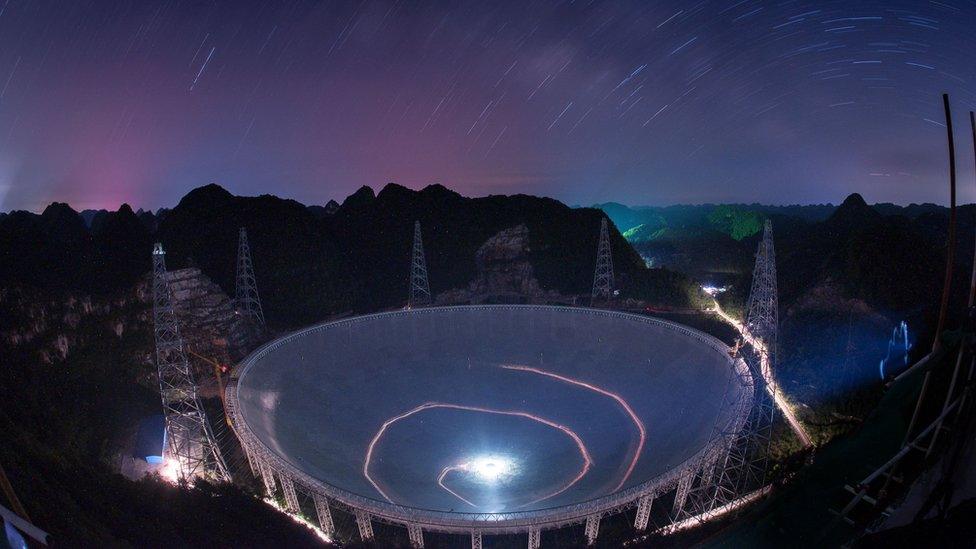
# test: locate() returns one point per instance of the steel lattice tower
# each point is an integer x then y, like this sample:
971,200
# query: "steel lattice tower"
742,467
247,288
419,286
724,477
762,321
762,309
603,277
189,438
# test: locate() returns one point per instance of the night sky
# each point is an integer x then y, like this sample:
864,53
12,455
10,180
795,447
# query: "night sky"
643,103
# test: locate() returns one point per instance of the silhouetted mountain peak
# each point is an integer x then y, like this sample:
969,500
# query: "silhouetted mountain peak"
853,212
364,195
58,210
121,225
392,191
396,193
207,195
324,211
62,221
440,191
854,200
437,188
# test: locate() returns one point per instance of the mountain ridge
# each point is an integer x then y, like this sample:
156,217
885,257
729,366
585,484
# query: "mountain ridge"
349,258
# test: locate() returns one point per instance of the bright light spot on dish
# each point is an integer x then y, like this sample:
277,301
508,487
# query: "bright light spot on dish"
714,290
490,469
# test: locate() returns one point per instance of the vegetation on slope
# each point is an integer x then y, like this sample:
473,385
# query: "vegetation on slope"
62,424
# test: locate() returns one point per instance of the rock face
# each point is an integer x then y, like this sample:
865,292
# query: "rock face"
503,265
209,322
505,273
52,328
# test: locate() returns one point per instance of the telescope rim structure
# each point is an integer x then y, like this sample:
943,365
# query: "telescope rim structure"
506,522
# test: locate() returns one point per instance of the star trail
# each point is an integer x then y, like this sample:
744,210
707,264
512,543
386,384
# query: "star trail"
104,102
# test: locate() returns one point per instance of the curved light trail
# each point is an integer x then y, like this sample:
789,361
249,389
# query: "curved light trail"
440,482
642,431
587,460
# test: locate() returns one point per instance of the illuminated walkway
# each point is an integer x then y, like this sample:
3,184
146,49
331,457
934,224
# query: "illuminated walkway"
767,374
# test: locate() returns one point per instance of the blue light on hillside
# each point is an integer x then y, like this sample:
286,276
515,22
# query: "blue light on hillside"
898,347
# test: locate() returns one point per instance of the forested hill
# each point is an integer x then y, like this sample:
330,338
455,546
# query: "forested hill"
891,257
311,261
739,220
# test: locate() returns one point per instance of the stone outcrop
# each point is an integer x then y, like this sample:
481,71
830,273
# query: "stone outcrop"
209,322
503,265
505,273
51,327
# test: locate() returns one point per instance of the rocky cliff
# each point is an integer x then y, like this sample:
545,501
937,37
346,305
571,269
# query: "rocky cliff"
504,273
210,324
51,330
503,265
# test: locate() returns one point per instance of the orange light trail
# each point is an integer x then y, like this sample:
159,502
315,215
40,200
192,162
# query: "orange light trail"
587,460
440,482
642,431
